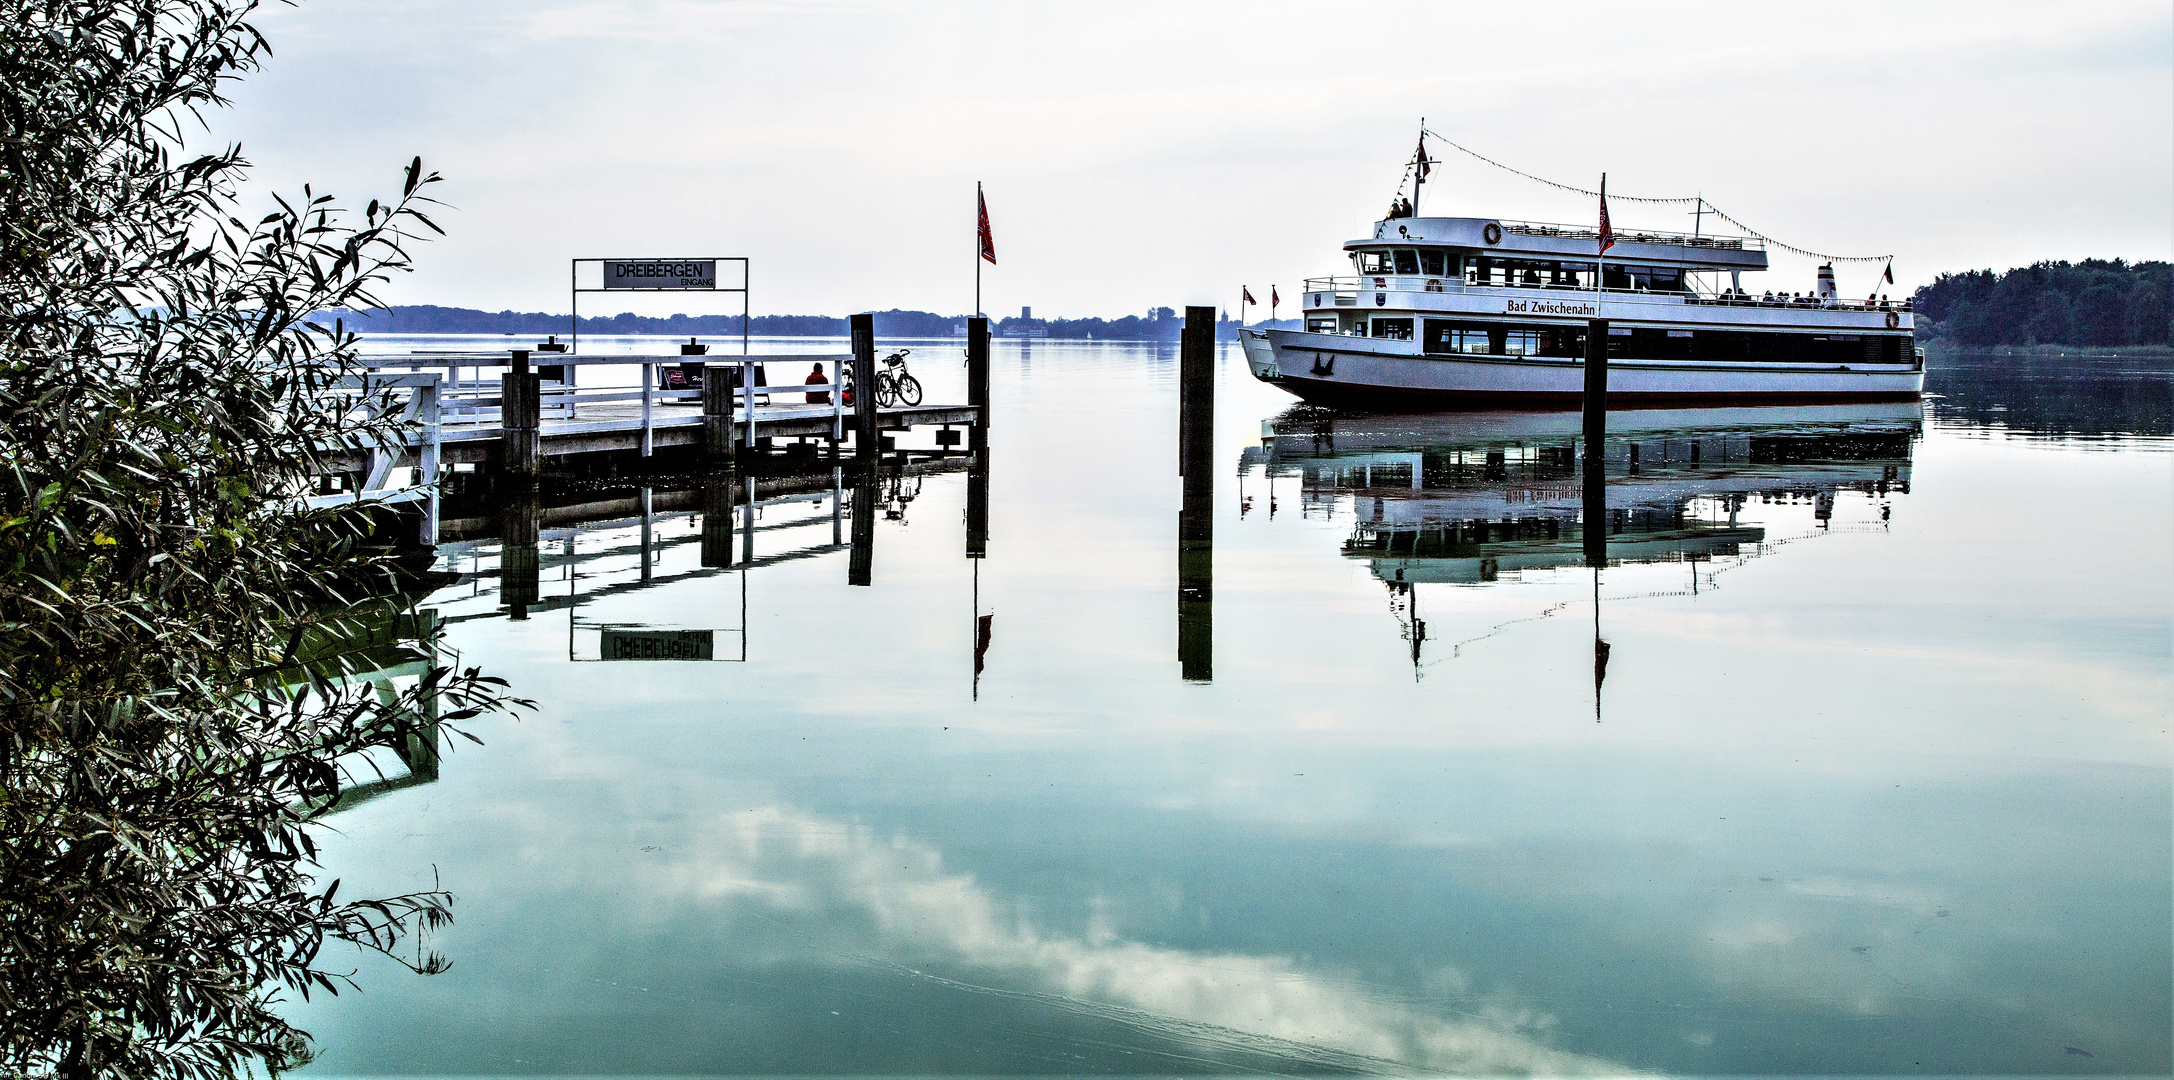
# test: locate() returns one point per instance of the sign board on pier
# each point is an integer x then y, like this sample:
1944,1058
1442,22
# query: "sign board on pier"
659,644
660,273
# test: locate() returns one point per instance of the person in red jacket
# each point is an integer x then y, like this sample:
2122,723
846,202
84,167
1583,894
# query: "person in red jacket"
815,378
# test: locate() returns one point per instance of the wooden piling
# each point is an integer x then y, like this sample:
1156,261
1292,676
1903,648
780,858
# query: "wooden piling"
977,469
521,418
717,445
864,387
977,369
1596,440
1196,515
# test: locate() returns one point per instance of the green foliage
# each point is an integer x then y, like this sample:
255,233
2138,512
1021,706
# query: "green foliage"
174,631
2094,303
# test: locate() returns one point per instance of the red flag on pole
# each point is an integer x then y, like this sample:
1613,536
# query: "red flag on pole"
1607,235
1273,299
988,242
1248,293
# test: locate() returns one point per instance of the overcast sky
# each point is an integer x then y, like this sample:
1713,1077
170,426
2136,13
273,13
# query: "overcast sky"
1140,154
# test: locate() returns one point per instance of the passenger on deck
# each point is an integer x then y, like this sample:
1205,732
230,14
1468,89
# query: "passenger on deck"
1768,298
815,378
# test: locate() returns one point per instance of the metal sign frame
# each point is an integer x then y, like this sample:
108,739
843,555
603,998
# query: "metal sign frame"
573,281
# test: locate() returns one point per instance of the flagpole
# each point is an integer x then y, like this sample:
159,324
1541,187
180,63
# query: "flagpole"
977,249
1600,255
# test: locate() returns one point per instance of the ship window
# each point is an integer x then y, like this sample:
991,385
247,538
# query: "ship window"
1393,329
1372,262
1433,263
1521,343
1407,260
1321,326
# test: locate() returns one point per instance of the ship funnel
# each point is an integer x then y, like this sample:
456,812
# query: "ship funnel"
1826,282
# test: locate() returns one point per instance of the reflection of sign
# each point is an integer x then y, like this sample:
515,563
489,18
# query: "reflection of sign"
659,644
1549,307
661,274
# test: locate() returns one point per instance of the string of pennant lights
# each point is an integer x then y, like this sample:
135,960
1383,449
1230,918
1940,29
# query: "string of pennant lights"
1699,200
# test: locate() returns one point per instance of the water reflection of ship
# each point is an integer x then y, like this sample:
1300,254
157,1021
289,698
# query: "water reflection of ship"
1471,499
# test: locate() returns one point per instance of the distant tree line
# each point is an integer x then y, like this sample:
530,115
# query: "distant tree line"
1158,324
2090,303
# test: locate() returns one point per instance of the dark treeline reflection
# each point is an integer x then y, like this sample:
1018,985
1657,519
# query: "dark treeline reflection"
2074,395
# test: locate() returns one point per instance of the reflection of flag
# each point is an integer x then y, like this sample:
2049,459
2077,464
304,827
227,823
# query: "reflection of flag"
1607,234
988,242
983,627
1248,294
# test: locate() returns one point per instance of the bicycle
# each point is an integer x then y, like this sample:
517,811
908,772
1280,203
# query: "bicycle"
894,384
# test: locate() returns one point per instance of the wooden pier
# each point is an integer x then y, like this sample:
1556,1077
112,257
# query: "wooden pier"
511,415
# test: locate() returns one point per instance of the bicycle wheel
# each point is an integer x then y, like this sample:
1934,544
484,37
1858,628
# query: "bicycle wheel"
909,389
886,391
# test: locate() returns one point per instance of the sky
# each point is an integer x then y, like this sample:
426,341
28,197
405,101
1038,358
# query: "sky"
1141,154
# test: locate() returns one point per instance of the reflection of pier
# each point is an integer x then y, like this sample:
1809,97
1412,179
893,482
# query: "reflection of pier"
585,557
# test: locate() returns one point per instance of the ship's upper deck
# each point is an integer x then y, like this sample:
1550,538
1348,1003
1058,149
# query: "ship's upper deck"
1497,238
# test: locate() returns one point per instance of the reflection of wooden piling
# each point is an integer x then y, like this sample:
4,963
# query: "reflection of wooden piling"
864,390
520,563
861,562
1596,439
421,751
717,521
521,418
977,470
1196,516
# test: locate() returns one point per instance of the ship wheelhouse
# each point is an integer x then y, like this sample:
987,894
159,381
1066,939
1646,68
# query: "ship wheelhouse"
1489,287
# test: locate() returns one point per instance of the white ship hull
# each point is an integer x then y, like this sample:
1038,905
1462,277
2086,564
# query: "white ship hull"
1341,369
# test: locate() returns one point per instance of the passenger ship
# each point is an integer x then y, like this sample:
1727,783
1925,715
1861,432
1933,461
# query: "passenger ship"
1482,312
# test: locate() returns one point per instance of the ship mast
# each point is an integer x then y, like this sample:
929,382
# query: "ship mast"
1419,166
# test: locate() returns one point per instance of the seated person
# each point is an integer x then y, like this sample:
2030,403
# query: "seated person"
815,378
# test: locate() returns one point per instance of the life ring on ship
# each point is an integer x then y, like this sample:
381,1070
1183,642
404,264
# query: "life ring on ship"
1492,233
1893,320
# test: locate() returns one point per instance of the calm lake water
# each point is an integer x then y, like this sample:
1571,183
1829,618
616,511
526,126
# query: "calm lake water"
1877,780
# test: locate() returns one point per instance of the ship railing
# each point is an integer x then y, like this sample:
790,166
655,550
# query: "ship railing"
1636,236
1349,287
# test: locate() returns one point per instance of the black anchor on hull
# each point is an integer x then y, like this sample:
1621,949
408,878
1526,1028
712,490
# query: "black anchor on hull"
1325,368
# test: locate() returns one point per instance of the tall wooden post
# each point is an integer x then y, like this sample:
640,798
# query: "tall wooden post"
1596,442
1196,515
864,387
521,419
977,369
717,445
977,469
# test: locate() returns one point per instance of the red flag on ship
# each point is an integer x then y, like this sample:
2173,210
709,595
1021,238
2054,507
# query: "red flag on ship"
1607,234
988,242
1421,162
1248,294
1273,299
